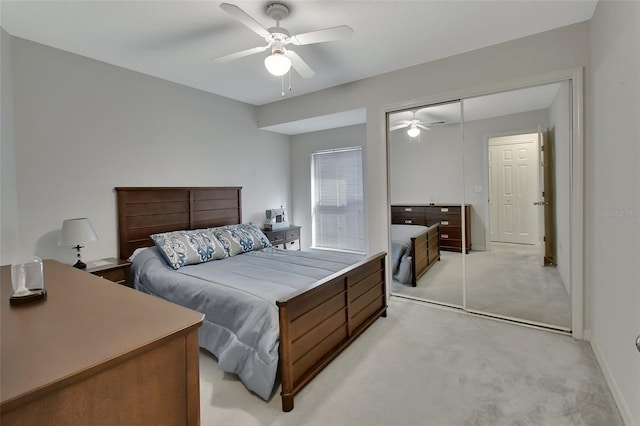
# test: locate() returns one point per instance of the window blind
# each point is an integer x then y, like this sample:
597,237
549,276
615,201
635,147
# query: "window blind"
337,197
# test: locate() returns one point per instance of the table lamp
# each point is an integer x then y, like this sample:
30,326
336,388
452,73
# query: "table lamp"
76,232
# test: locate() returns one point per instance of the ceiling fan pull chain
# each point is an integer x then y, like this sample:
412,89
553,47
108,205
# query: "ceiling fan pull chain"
282,85
289,79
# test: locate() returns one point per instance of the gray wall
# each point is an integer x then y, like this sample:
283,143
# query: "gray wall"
429,171
302,146
613,195
9,197
83,127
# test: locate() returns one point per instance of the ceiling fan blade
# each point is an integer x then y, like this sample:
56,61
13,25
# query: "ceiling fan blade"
423,127
299,65
241,16
399,126
320,36
241,54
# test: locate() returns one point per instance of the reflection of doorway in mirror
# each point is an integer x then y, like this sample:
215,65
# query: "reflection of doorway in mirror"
513,187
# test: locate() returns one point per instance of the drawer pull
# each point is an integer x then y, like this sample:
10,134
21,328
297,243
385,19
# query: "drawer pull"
408,221
444,209
444,222
408,209
444,235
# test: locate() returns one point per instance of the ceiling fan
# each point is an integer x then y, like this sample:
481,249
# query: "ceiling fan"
277,38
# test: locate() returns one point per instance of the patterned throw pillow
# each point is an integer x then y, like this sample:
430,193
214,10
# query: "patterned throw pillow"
260,240
241,238
182,248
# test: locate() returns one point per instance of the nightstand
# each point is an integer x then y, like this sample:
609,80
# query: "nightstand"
287,238
112,269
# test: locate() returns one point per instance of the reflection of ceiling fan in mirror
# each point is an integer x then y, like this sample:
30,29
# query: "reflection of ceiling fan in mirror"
281,59
414,125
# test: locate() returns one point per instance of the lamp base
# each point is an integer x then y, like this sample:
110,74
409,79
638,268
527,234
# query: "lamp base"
80,264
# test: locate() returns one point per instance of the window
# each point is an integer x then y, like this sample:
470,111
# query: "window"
336,194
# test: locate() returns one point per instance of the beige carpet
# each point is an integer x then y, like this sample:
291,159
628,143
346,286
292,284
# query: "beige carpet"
507,281
427,366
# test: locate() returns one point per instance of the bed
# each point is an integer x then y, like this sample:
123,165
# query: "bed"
414,249
317,316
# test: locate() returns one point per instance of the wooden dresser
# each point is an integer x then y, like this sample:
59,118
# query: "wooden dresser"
449,216
95,353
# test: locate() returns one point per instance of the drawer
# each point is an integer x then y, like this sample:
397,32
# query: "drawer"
276,237
293,234
115,275
408,215
420,210
450,234
292,245
403,220
445,220
443,209
451,243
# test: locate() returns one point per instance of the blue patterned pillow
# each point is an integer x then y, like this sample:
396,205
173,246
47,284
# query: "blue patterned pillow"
241,238
260,240
182,248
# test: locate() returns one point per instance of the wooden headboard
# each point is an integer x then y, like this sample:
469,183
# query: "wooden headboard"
143,211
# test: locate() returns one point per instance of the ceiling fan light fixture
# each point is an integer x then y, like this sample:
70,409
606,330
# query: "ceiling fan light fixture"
277,63
413,131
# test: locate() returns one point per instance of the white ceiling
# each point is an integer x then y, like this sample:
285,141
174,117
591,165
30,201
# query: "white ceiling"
178,40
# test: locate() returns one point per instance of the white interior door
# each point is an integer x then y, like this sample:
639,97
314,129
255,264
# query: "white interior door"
513,188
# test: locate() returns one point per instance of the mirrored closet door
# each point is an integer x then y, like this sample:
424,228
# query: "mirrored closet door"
516,167
486,184
426,188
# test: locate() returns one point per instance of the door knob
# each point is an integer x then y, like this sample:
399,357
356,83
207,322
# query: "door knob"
638,343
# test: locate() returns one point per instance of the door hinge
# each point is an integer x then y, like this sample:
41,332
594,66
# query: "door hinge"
544,238
542,148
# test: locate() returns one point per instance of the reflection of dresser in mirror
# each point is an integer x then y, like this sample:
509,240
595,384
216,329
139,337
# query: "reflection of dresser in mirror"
449,216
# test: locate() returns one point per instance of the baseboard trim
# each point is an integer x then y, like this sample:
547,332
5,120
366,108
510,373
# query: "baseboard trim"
625,412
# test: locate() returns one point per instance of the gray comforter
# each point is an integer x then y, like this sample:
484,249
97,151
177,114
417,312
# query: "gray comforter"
237,295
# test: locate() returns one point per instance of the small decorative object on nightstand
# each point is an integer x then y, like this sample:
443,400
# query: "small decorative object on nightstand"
112,269
286,238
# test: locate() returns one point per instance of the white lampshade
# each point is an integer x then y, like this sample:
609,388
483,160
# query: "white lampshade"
277,63
76,232
413,131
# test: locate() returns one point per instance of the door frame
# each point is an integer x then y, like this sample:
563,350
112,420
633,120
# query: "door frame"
575,76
